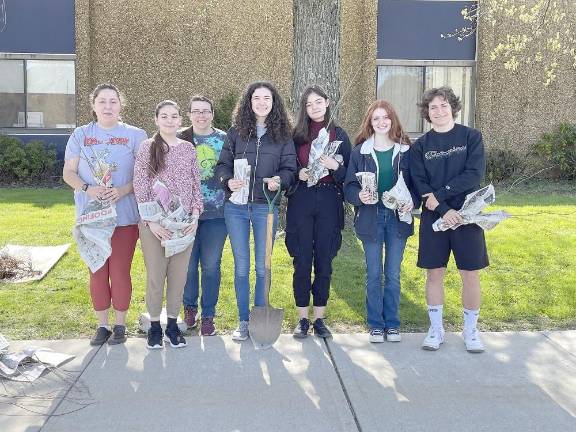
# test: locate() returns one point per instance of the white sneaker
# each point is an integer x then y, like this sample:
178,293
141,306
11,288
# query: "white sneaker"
241,333
472,340
376,336
393,335
433,339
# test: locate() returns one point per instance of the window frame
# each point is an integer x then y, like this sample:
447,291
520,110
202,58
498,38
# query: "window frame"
434,63
25,57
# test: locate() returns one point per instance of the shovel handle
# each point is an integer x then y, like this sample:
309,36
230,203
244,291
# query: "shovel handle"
268,257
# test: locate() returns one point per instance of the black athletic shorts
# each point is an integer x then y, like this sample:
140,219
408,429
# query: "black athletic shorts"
466,242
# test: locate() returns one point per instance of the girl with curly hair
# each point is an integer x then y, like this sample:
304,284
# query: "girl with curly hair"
261,134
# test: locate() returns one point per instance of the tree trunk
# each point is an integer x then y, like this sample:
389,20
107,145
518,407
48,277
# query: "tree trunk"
316,57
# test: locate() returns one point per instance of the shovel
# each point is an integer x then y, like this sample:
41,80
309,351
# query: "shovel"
265,322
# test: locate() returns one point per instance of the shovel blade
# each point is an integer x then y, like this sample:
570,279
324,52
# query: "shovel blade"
265,326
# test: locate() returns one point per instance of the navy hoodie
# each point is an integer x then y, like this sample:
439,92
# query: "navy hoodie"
449,164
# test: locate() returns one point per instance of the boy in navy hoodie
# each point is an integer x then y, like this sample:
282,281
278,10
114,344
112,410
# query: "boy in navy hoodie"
448,163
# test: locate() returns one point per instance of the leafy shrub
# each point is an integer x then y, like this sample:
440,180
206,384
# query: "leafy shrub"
41,160
25,163
223,111
559,148
503,164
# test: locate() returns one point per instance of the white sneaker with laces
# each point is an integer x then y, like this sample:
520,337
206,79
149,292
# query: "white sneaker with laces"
472,340
433,339
241,333
376,336
393,335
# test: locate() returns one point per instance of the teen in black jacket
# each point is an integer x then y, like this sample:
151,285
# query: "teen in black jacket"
261,134
315,213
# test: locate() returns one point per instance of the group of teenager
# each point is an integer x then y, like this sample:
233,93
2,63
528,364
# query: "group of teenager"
197,165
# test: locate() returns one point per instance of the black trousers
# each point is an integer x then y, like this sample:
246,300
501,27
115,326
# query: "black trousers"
314,222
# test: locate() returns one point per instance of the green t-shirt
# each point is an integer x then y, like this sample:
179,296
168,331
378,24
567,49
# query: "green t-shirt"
385,170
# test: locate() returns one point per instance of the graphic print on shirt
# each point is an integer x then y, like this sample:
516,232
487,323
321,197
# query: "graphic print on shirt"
102,166
437,154
208,150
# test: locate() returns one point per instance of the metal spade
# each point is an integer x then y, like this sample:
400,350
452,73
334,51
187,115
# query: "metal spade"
265,322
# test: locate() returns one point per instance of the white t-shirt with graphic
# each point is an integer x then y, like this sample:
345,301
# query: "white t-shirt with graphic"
115,148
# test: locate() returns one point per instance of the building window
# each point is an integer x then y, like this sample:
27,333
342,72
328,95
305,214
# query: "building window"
37,94
402,84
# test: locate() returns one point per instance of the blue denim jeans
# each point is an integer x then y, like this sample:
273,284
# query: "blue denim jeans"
238,220
382,302
206,252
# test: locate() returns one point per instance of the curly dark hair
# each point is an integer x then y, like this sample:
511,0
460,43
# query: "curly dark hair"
302,127
445,93
277,122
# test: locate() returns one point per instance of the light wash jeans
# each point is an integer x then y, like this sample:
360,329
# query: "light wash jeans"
238,220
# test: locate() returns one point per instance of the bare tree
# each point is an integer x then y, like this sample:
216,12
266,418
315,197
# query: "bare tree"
316,56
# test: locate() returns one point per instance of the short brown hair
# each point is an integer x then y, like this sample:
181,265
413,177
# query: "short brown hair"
445,93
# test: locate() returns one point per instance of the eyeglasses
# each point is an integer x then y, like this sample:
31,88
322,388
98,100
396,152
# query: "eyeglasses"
197,112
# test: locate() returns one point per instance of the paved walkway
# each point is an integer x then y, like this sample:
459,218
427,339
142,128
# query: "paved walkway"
524,382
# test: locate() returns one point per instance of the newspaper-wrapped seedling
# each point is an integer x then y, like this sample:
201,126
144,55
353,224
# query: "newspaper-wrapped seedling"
167,210
320,147
368,182
242,171
471,211
96,224
397,197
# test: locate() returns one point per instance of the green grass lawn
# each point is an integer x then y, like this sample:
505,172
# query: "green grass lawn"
531,283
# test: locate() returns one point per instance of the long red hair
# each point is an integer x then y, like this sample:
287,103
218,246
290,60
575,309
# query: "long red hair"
396,133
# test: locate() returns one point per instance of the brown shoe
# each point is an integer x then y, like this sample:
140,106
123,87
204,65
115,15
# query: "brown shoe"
207,328
190,313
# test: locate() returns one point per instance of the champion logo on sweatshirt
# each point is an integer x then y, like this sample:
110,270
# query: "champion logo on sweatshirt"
435,154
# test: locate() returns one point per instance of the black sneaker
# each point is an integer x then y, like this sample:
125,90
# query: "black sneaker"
301,330
118,335
101,336
320,329
155,335
174,335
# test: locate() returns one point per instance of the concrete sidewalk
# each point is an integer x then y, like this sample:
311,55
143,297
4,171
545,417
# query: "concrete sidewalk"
523,382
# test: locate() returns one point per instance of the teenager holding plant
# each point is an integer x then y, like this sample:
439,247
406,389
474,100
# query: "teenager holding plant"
261,137
315,213
382,148
107,141
167,159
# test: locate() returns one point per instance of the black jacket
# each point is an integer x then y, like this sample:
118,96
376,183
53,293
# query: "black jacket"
449,164
366,215
265,157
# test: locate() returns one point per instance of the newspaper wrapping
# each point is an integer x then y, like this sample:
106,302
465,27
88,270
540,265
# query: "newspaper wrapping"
241,172
471,211
167,210
94,228
398,196
319,147
368,182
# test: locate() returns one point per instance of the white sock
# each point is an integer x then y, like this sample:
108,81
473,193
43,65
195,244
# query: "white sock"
435,314
106,326
470,318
